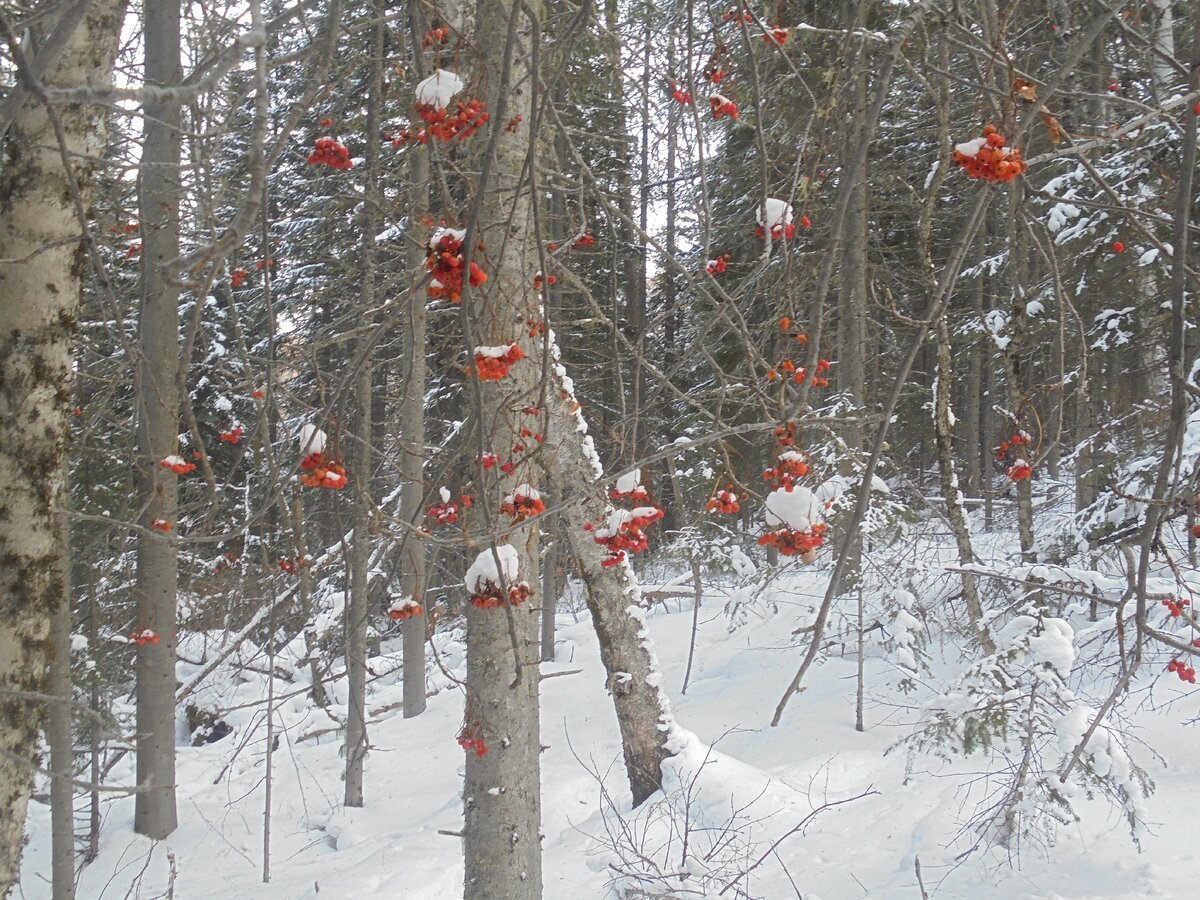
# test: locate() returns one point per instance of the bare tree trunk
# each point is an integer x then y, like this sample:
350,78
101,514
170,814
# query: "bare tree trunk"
39,298
312,651
550,589
358,608
502,791
412,450
951,494
358,605
613,598
158,396
58,736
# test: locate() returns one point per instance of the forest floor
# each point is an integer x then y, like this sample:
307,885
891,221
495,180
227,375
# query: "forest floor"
737,768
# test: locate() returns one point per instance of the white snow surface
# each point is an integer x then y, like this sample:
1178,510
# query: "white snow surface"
438,88
483,572
312,439
629,482
779,212
797,509
729,758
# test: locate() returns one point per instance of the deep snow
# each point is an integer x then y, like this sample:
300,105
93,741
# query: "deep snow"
774,776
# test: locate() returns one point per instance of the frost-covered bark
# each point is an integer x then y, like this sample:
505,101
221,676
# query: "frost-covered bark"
613,595
158,430
40,282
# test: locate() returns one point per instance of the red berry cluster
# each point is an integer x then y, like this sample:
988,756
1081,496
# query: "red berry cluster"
788,470
161,525
1183,670
144,637
719,265
404,609
989,159
1019,469
238,278
492,598
330,152
470,739
444,261
177,465
680,95
490,366
1176,607
623,532
538,280
799,374
446,125
723,107
715,74
778,232
317,471
776,35
523,503
795,543
436,36
732,14
724,502
443,513
232,436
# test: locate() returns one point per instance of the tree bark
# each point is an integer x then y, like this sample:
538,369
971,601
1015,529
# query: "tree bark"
358,608
613,596
502,790
158,396
40,283
59,737
951,494
412,448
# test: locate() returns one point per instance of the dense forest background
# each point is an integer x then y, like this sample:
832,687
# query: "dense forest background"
359,357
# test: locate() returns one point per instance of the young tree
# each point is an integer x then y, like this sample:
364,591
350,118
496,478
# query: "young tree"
46,173
158,387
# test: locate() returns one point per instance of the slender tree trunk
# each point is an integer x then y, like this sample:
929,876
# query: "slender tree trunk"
358,608
412,450
59,737
951,494
312,650
550,589
158,395
613,598
39,299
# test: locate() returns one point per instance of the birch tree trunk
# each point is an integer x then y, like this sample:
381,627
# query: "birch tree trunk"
40,283
158,429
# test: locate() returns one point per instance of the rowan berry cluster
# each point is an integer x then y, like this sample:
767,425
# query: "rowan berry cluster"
1183,670
523,503
330,152
404,609
444,261
724,502
317,471
447,125
790,542
1176,607
493,363
144,637
988,158
177,465
491,597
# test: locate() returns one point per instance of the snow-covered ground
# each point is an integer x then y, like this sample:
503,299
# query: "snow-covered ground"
738,769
